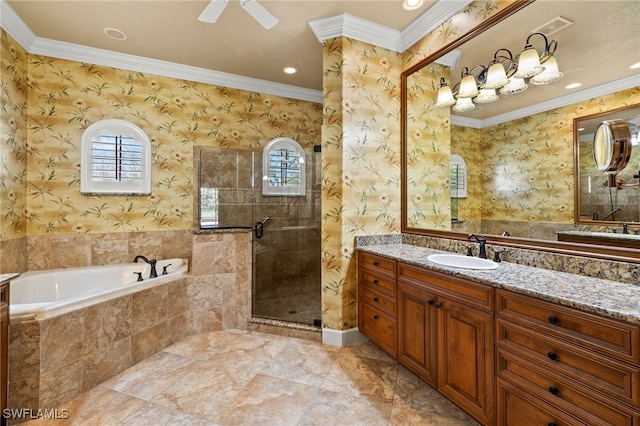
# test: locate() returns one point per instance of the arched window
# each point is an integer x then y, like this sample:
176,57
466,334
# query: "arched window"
115,159
458,176
283,165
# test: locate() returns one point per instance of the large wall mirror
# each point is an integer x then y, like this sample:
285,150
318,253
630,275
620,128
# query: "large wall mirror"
519,150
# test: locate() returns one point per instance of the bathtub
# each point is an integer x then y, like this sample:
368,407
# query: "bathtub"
39,294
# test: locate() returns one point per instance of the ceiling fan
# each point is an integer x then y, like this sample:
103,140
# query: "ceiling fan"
214,9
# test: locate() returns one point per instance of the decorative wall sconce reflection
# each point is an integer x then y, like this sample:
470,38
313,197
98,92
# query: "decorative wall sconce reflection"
502,74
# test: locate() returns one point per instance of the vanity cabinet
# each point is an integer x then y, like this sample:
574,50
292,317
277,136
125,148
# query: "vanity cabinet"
377,300
445,336
584,368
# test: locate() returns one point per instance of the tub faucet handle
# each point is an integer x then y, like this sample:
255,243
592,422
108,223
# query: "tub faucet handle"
139,276
164,269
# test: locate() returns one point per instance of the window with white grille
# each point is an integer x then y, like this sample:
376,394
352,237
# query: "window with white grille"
116,159
458,178
284,168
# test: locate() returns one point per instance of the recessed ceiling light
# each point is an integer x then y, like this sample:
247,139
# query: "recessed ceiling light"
114,33
411,4
635,66
573,85
289,70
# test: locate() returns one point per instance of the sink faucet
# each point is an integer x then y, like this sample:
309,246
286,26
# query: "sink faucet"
152,262
625,227
482,241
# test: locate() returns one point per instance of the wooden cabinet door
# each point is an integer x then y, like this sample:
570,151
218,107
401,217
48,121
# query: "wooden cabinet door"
465,358
417,331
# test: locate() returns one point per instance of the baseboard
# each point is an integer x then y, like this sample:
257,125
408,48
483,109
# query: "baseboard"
342,337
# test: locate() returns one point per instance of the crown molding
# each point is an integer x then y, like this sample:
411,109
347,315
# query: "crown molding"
379,35
356,28
17,28
430,20
583,95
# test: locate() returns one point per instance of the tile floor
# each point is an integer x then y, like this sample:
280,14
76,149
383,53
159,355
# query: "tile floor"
236,377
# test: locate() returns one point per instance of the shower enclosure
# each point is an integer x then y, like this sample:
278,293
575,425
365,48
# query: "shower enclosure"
285,228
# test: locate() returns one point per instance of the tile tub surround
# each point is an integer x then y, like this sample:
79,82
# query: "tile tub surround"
239,377
55,360
606,298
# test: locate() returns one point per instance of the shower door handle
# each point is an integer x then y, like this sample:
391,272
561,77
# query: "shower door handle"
258,229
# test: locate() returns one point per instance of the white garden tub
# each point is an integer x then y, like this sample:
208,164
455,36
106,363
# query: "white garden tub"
39,294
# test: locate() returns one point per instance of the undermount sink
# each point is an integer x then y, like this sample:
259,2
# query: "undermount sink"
459,261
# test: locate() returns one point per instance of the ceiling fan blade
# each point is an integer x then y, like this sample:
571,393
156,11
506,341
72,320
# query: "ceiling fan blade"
213,11
259,13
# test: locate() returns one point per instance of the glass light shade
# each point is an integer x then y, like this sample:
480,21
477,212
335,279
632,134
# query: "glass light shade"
468,88
445,97
486,96
529,63
463,105
516,85
496,77
549,75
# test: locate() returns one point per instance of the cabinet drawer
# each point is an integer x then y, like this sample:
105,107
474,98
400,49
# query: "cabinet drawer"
378,327
563,393
376,282
472,294
615,338
615,379
377,264
516,407
377,300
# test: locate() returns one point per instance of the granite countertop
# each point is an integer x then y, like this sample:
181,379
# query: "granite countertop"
602,297
7,277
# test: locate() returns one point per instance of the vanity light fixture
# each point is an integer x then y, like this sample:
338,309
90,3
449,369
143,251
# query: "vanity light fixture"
503,74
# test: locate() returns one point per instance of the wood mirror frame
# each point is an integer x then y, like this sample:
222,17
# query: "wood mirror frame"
577,249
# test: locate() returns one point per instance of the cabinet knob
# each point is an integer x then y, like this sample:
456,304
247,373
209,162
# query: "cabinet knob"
552,356
375,317
430,302
438,305
376,263
551,424
375,299
375,281
552,319
554,390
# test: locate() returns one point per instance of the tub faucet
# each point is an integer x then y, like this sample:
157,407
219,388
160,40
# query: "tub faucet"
482,241
625,227
152,262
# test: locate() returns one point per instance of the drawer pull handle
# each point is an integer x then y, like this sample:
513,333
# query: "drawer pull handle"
552,356
430,302
554,390
375,317
375,281
552,319
375,299
438,305
376,263
551,424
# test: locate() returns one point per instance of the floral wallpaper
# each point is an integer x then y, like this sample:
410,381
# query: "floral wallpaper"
66,97
13,124
522,170
428,151
361,164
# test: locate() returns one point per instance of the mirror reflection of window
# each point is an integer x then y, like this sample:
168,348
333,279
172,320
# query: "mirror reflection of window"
283,168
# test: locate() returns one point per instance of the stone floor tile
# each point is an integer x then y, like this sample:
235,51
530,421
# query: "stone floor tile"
302,364
333,408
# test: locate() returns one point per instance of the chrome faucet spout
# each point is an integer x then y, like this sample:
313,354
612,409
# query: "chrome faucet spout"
483,244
